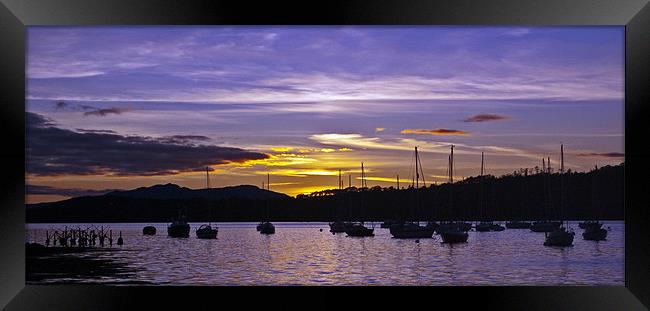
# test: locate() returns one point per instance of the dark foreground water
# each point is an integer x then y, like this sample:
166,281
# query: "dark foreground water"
298,253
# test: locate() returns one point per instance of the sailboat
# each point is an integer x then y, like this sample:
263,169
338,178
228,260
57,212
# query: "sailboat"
546,225
561,236
452,232
207,231
358,229
593,228
412,229
179,228
338,225
520,224
266,227
482,226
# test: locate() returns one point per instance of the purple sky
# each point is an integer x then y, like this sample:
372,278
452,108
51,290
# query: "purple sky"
303,102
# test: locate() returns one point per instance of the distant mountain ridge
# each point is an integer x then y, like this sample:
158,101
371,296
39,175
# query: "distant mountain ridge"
172,191
175,192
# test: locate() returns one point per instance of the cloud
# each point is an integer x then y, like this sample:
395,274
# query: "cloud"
439,131
486,117
603,154
356,140
379,129
106,111
184,139
60,105
55,151
68,192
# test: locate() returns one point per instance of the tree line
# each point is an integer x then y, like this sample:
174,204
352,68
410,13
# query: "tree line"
525,195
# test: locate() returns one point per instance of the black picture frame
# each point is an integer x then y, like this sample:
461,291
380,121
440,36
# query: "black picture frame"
15,15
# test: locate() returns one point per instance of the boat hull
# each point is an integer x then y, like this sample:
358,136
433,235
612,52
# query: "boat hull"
338,226
267,228
497,227
559,237
358,230
599,234
454,237
206,233
546,226
178,231
149,230
413,231
453,226
483,227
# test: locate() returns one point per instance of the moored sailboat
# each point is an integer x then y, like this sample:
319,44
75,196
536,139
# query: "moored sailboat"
339,226
207,231
546,225
452,232
593,228
517,223
179,228
266,227
483,225
412,229
562,236
358,229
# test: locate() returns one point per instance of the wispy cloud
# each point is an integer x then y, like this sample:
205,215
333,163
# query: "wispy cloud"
270,65
379,129
486,117
69,192
440,131
602,154
106,111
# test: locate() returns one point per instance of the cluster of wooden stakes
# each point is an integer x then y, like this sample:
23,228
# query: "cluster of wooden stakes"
90,236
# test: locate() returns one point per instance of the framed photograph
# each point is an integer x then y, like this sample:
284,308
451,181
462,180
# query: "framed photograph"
483,149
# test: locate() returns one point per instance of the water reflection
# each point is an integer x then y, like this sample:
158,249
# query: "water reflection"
302,254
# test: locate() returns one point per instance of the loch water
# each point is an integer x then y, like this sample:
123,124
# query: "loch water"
302,254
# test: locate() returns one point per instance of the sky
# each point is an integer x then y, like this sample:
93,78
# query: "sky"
125,107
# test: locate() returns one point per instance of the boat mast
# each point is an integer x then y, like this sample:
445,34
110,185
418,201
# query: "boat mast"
363,185
482,210
207,178
451,180
268,188
417,185
562,182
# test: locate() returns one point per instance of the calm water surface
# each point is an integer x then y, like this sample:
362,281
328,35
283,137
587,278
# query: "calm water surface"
298,253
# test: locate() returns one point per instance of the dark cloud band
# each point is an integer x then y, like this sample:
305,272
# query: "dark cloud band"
486,117
440,131
56,151
69,192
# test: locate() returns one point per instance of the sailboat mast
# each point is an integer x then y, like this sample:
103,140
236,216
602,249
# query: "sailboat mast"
417,172
397,181
561,182
482,211
451,180
268,188
207,178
